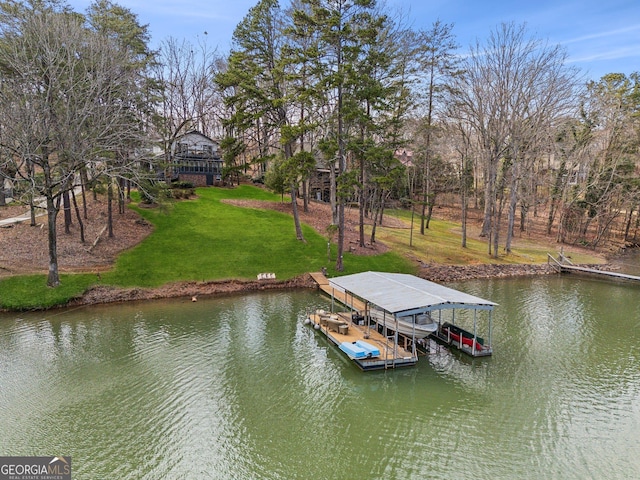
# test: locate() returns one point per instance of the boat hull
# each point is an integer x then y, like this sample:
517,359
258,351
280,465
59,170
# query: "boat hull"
462,337
405,325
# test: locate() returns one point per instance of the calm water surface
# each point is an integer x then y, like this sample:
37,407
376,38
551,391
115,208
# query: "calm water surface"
239,388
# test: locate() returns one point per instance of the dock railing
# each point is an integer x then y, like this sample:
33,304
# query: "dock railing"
553,263
565,265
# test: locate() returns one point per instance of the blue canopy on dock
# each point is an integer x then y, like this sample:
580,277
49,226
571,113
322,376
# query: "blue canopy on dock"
402,294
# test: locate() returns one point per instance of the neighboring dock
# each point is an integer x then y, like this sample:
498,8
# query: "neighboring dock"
564,265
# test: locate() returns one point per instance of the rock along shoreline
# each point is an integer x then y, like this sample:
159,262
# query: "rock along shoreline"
101,294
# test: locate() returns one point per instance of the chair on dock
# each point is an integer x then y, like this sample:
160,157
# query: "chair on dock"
334,324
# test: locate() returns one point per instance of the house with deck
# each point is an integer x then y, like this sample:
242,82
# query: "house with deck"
196,158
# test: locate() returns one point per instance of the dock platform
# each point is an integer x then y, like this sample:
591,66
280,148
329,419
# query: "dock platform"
323,284
391,354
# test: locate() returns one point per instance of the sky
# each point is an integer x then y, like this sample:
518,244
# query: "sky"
600,36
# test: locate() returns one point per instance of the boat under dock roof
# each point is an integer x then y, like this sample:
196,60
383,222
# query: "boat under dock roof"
402,294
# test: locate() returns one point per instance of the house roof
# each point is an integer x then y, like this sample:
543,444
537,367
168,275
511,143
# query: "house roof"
197,133
404,294
405,157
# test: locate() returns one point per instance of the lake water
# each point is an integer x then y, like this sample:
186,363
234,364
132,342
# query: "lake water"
239,388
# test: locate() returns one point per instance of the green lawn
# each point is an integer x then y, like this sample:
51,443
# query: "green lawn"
205,239
30,292
441,243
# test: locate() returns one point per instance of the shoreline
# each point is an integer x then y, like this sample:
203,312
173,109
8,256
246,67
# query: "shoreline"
102,294
438,273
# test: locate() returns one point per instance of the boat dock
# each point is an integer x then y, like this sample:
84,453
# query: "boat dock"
564,265
387,342
323,284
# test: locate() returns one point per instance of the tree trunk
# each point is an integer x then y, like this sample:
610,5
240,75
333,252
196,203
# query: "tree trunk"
524,210
627,227
342,167
464,211
432,202
32,212
496,224
375,215
67,212
110,209
53,278
78,216
361,204
464,194
305,195
296,216
83,186
378,215
427,163
333,194
489,199
121,199
413,215
511,221
555,196
339,262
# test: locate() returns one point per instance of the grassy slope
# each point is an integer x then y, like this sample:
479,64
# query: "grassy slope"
220,241
205,239
200,240
441,244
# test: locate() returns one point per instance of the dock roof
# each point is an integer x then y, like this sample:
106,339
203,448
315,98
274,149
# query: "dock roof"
400,293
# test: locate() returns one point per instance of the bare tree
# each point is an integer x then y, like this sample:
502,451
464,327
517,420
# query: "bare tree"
511,90
184,80
64,97
437,63
572,149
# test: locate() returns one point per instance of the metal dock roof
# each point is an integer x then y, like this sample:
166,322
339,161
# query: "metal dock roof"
402,293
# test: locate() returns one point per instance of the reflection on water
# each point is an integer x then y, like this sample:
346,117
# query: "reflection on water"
238,387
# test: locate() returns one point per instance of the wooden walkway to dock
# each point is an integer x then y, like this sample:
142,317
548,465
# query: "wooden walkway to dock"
565,265
323,284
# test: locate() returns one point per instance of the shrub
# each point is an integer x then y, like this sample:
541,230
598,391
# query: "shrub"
154,192
182,185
